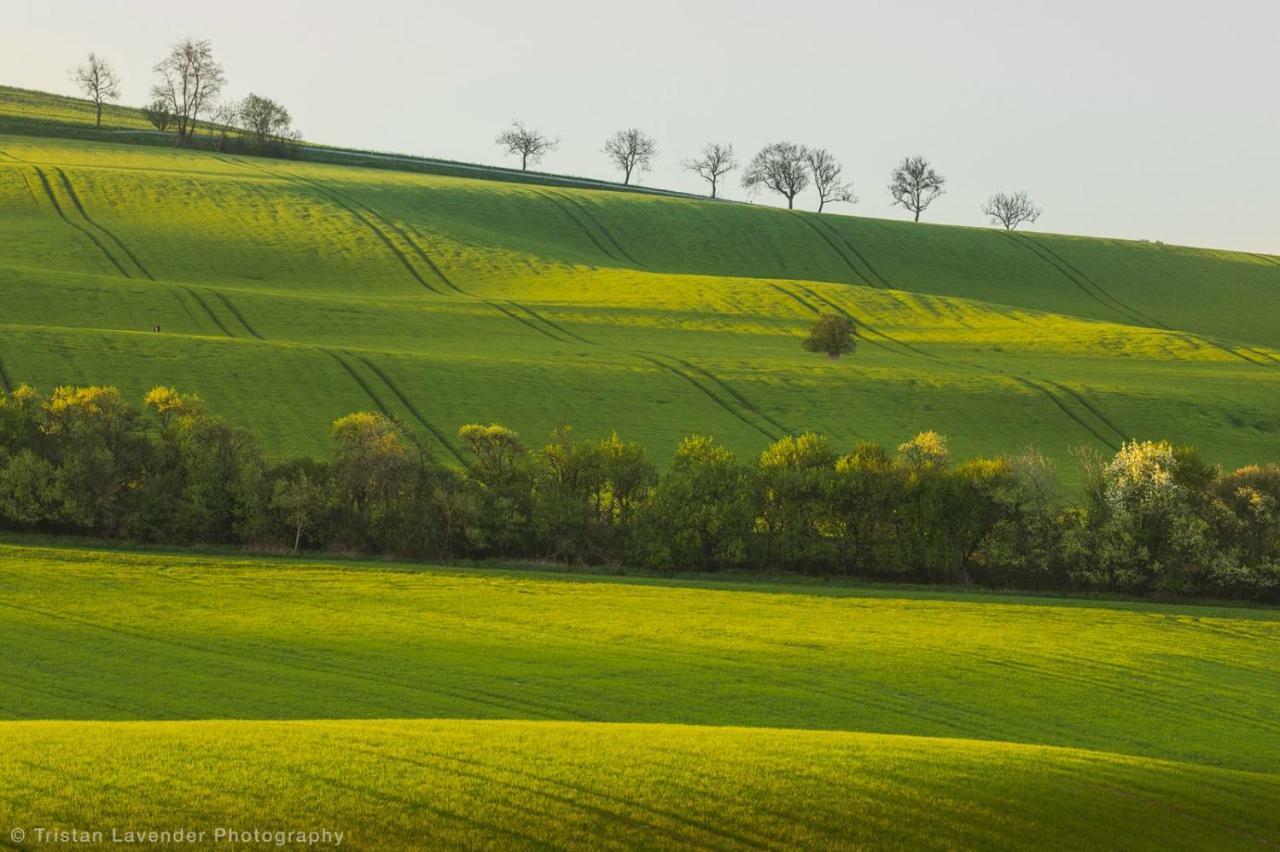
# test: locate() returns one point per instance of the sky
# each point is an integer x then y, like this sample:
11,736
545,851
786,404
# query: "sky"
1127,118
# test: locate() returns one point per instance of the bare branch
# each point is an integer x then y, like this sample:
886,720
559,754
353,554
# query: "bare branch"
915,185
190,81
713,163
631,151
99,82
1011,210
529,145
826,172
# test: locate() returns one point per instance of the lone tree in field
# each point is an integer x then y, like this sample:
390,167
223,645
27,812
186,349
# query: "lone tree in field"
713,163
915,185
832,334
781,168
1011,210
157,112
826,172
99,82
529,145
631,151
190,80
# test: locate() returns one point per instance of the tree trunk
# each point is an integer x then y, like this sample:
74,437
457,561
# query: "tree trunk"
917,215
297,538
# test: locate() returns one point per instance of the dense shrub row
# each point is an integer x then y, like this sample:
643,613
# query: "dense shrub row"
1153,519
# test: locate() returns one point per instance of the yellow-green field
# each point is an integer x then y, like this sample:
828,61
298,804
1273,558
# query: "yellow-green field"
288,294
446,707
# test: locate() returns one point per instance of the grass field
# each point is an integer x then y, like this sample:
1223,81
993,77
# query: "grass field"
289,294
458,707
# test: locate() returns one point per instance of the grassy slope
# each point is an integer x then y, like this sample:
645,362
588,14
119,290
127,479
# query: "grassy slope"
458,784
979,720
291,293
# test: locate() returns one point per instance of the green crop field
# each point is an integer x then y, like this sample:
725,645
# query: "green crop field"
462,707
288,294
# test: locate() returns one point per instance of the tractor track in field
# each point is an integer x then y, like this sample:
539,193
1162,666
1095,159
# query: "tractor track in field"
1086,284
356,214
301,662
862,278
222,297
1062,406
208,310
561,205
875,273
526,323
53,199
404,400
364,386
591,217
1266,258
566,332
870,329
1029,383
1091,408
4,379
80,208
707,393
572,794
743,401
12,157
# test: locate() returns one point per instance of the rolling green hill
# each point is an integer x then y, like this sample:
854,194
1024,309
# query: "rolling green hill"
289,293
410,706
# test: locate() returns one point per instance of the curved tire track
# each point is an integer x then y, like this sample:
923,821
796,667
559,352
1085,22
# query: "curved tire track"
706,392
404,400
75,199
53,199
849,244
591,217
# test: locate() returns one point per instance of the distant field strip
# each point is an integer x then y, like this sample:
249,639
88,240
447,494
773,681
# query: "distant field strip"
523,304
411,706
457,784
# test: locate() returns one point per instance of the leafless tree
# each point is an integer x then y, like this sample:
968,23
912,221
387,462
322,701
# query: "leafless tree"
827,180
99,82
190,80
781,168
632,151
529,145
1011,210
267,122
225,118
713,163
915,185
157,112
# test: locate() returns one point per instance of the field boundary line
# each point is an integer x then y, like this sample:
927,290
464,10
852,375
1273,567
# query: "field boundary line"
595,220
822,220
75,199
48,189
706,392
391,386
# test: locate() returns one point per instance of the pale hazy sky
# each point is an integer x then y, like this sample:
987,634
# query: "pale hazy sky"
1156,120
